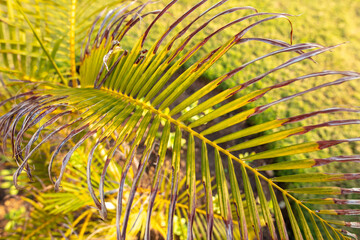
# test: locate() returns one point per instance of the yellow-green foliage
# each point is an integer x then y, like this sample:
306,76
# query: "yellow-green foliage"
117,102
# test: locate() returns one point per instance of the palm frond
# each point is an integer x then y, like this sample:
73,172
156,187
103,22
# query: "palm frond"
126,93
73,209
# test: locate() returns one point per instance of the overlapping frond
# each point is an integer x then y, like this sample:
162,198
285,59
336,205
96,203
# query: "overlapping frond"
70,213
134,93
39,38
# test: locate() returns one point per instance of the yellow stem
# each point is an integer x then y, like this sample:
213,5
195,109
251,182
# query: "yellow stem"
72,43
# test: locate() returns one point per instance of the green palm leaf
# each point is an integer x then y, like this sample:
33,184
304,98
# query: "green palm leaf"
125,93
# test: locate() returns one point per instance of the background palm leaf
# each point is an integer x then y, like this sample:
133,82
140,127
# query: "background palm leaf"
58,31
68,213
128,91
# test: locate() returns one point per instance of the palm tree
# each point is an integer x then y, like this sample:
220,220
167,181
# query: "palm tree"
131,84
